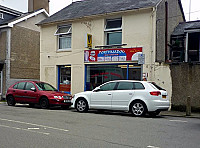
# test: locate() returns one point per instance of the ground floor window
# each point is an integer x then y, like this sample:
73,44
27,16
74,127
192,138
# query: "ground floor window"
64,78
98,74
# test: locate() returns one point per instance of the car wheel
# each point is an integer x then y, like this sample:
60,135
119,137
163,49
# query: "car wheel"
81,105
44,103
138,108
11,101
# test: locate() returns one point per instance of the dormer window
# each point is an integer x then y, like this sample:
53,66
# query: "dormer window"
1,16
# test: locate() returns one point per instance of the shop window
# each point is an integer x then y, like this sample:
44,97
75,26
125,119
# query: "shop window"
113,31
194,47
99,74
65,79
64,34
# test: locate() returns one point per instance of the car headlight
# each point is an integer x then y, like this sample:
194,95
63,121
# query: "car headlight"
57,97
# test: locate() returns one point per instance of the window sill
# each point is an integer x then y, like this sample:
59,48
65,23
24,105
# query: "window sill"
64,50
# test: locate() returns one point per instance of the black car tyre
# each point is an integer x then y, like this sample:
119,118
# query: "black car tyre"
153,114
44,103
81,105
11,101
138,109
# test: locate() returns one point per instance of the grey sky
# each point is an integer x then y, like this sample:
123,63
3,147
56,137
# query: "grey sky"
56,5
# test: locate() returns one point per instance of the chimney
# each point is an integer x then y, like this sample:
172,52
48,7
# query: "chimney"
38,4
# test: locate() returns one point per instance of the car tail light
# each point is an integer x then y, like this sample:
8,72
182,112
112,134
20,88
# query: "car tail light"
155,93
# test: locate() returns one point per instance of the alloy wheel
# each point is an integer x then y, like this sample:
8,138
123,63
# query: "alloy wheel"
138,109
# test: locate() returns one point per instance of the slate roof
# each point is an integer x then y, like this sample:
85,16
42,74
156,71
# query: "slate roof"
86,8
184,26
10,10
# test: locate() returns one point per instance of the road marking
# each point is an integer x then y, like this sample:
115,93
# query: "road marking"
152,146
17,128
34,124
178,121
31,128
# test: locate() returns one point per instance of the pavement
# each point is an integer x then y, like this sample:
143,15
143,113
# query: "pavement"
166,113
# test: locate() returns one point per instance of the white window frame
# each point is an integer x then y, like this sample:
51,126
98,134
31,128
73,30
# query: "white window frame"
111,30
1,16
68,34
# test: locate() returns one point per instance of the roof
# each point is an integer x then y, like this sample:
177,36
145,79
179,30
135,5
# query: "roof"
2,8
86,8
22,17
184,26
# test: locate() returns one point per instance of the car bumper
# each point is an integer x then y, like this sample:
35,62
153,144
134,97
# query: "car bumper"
158,105
60,102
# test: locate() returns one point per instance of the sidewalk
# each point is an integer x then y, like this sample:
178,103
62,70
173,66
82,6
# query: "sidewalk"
179,114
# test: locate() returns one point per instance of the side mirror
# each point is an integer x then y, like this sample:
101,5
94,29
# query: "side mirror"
96,89
33,89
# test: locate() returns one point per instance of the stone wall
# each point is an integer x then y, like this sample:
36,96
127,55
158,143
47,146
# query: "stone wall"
25,53
174,18
185,82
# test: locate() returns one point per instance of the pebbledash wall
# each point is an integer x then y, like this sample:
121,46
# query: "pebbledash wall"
138,30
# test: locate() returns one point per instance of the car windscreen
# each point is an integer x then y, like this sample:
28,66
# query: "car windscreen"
156,86
45,87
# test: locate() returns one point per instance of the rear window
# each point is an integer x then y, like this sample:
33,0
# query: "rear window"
156,86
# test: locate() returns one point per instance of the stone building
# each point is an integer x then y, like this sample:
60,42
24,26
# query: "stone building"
19,46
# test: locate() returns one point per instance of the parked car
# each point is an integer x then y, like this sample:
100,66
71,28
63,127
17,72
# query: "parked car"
36,92
137,97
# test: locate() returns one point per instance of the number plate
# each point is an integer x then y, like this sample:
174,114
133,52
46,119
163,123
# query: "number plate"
66,101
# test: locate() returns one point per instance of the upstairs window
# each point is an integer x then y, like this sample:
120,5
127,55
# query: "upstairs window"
1,16
113,31
64,34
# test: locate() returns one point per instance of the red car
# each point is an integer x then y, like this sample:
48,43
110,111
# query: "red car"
36,92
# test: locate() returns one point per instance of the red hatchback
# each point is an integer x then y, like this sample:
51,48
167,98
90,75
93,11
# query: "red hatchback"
36,92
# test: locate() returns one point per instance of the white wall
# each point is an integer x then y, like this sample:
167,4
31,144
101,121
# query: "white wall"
138,30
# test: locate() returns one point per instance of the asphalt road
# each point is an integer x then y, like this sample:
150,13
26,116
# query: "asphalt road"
24,127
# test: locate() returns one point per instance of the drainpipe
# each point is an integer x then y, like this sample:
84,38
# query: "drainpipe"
186,48
199,47
1,83
166,30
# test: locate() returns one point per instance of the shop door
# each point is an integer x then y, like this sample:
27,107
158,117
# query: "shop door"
65,79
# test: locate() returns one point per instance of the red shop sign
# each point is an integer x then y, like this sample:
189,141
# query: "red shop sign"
112,55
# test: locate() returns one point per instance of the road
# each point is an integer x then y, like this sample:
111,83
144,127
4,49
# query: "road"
25,127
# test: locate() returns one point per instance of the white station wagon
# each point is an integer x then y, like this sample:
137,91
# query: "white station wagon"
137,97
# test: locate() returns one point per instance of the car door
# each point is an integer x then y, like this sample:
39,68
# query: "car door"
101,99
122,96
18,92
30,95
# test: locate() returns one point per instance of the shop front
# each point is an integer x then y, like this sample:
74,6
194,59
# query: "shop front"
111,64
